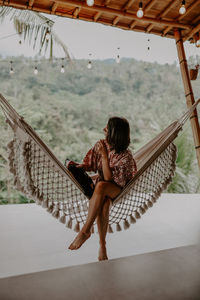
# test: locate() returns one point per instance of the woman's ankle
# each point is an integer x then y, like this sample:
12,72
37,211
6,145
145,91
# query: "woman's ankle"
102,244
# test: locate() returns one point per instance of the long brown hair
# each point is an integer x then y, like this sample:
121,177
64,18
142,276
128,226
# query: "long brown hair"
118,136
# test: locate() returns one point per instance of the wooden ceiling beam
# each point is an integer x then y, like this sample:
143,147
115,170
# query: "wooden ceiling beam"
122,14
149,27
107,2
196,19
128,4
168,8
97,16
163,13
167,30
54,7
76,12
132,25
191,33
116,20
149,5
30,4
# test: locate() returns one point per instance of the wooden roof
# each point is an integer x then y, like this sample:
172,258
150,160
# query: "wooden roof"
161,17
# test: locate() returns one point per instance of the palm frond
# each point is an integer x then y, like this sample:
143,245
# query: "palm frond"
34,27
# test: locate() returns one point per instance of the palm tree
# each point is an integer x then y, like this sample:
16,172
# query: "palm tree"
34,28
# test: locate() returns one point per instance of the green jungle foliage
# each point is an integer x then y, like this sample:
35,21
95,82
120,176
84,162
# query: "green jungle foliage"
70,110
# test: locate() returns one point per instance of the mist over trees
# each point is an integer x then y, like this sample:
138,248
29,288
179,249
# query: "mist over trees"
69,110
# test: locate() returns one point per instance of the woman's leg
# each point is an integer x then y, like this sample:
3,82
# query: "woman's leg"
102,223
102,190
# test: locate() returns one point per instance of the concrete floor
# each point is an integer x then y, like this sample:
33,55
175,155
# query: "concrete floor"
32,240
165,275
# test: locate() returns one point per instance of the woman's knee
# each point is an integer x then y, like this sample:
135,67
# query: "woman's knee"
100,186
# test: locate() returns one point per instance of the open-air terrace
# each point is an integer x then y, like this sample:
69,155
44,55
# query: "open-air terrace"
156,258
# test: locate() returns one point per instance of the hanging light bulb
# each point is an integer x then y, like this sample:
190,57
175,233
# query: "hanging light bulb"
62,70
90,2
89,66
11,68
198,43
35,71
148,47
182,9
47,35
118,59
140,12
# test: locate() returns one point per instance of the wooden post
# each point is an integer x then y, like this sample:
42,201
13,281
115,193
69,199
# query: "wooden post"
188,91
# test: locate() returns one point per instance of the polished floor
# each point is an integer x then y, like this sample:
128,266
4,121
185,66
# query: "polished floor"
31,240
172,274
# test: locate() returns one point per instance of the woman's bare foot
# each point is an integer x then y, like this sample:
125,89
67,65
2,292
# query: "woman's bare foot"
102,253
79,240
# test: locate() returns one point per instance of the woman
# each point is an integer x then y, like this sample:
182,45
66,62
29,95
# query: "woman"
116,166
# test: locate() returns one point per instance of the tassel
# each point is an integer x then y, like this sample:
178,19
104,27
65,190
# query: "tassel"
56,214
110,230
132,220
154,199
44,203
150,204
50,209
10,144
118,227
126,224
137,215
145,206
69,224
142,210
77,227
39,202
62,219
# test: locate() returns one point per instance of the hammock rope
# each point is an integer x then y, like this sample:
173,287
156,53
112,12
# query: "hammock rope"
42,177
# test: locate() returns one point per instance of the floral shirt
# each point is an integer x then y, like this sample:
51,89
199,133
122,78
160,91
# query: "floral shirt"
122,164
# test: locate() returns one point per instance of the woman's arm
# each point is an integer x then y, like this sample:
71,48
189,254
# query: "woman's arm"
107,173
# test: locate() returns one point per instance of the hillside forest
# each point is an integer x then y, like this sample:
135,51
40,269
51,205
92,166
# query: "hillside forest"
69,110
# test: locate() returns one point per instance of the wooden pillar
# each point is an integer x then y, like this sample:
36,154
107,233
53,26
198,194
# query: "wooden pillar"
188,91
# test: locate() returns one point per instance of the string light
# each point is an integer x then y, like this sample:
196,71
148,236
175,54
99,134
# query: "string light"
35,71
47,35
140,12
89,66
11,68
197,43
90,2
148,47
62,70
118,56
182,9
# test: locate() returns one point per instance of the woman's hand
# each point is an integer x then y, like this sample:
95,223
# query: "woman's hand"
102,149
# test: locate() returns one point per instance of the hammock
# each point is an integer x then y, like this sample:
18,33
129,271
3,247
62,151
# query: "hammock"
42,177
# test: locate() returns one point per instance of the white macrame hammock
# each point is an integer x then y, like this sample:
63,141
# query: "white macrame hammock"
42,177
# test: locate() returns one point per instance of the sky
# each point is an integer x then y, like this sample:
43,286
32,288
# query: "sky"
83,38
